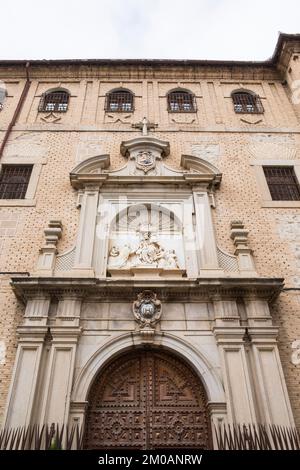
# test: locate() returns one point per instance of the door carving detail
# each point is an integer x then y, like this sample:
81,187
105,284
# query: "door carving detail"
147,400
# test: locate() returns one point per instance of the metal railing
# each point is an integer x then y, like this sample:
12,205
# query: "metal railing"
256,437
46,437
227,437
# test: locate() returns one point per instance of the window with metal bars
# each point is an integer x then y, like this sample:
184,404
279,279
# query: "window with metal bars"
119,101
181,102
54,101
247,103
14,180
283,183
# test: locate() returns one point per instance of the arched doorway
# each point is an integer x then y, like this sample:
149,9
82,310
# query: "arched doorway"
147,399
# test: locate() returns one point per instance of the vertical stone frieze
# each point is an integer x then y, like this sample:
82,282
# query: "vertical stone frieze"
89,145
214,102
209,151
288,227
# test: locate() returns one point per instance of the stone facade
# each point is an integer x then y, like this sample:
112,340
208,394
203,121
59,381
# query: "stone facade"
66,309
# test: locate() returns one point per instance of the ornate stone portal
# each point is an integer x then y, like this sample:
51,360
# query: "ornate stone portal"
151,223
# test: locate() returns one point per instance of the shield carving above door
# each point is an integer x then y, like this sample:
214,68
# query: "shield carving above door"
147,399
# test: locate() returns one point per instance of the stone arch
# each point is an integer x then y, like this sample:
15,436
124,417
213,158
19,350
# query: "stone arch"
147,206
147,398
120,89
243,90
57,89
178,346
180,89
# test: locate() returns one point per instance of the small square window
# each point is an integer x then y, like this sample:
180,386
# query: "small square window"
181,102
57,101
282,183
247,103
119,101
14,180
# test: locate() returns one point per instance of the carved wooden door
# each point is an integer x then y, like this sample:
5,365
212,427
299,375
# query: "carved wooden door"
147,400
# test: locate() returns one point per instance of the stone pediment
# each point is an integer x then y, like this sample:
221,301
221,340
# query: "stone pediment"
92,165
145,143
145,163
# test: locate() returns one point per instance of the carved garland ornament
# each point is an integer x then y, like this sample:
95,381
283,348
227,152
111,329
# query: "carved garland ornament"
147,308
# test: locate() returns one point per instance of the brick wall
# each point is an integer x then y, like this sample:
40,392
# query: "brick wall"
215,132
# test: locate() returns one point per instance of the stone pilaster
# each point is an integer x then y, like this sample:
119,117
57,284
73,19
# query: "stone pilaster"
86,232
237,375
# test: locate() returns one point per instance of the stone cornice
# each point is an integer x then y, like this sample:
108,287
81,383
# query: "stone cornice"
149,68
97,180
92,171
201,289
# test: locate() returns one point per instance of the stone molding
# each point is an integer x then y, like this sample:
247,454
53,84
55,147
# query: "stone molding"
168,290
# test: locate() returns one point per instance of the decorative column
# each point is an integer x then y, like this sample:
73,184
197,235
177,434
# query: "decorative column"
28,363
86,232
273,400
46,261
218,417
243,252
237,375
205,236
59,377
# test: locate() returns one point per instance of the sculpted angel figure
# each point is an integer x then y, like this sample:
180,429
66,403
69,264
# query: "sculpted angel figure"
118,257
171,260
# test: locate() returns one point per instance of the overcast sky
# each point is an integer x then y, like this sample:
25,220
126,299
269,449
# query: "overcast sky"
179,29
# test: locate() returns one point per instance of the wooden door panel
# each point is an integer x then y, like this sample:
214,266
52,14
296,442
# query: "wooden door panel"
146,400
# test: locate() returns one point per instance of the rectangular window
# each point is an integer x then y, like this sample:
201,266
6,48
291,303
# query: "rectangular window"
282,182
14,180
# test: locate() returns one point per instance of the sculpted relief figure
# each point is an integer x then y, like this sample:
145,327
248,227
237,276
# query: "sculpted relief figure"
118,257
170,260
149,252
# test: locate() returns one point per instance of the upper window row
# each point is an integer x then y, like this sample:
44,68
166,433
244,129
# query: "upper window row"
179,101
281,180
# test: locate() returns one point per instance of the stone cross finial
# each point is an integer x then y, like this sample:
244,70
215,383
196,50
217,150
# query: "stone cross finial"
145,126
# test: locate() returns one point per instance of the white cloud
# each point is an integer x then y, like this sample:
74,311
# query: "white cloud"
199,29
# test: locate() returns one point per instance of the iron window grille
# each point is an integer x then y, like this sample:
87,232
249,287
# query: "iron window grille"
56,101
181,102
14,180
282,182
246,103
119,101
